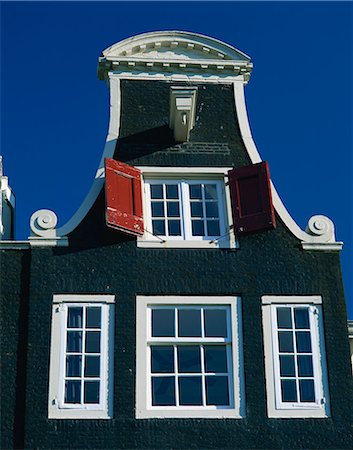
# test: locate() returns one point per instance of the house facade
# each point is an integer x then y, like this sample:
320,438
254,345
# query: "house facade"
181,306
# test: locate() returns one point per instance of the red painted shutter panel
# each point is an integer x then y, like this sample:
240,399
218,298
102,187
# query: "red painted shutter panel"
123,193
251,198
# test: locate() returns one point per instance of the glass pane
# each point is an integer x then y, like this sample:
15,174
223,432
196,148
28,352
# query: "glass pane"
189,322
73,365
189,359
211,191
213,228
93,319
174,228
91,392
92,366
172,191
196,209
197,228
74,317
289,390
74,341
305,366
158,227
156,190
163,323
190,391
217,390
157,209
287,366
195,191
93,341
162,359
216,358
307,390
301,318
285,341
211,209
215,322
72,391
284,318
163,391
303,341
173,209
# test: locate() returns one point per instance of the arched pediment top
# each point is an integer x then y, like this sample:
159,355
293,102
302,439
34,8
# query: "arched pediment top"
174,45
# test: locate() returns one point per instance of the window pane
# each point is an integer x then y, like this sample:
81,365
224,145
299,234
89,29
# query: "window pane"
162,359
163,391
73,365
91,392
301,318
93,341
189,359
303,341
189,322
93,319
158,227
285,341
289,390
213,228
157,209
172,191
217,390
174,228
196,209
72,391
92,366
284,318
215,322
305,366
74,341
211,191
287,366
211,209
173,209
197,228
195,191
216,358
307,390
190,391
163,323
156,190
74,317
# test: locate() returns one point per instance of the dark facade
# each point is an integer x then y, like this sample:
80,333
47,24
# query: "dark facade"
101,260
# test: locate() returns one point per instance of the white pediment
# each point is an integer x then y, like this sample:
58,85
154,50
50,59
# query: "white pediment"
174,46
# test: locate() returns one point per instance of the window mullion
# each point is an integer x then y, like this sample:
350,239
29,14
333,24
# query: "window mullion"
295,355
185,209
203,202
83,352
176,375
203,377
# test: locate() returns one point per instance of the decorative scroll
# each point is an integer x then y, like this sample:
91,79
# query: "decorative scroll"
43,223
322,227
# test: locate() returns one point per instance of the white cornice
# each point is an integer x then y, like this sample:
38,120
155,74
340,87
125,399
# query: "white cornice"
174,52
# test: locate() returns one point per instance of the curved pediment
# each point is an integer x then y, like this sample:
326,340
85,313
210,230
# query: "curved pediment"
174,46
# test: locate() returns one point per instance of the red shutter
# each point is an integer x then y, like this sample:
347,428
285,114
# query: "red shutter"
251,198
123,193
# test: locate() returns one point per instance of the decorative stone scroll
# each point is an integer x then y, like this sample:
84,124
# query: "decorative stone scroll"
321,227
43,223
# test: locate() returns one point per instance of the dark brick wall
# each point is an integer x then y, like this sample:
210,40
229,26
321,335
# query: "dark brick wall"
100,260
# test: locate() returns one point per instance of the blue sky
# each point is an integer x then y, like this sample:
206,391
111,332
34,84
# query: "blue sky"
54,111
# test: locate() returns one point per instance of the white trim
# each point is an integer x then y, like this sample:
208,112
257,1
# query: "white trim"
326,239
56,408
83,298
197,171
276,409
143,411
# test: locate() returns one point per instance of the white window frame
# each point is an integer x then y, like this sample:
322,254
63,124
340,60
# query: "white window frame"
57,409
144,408
185,175
275,407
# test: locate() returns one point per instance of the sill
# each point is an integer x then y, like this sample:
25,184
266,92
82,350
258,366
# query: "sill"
318,413
78,414
144,243
161,413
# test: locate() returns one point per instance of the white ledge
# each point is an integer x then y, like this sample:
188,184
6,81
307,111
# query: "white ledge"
323,246
144,243
48,242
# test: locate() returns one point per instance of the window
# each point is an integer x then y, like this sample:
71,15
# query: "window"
188,357
296,376
81,357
